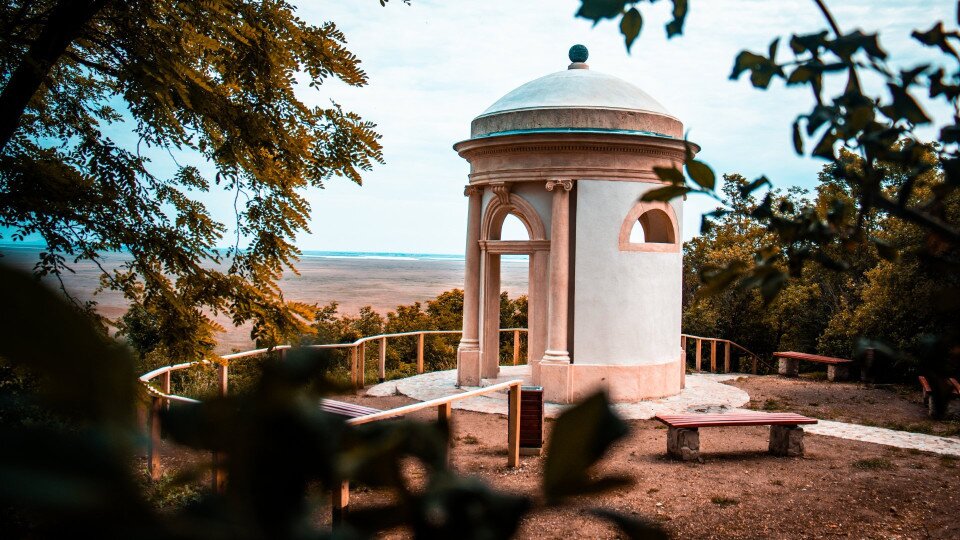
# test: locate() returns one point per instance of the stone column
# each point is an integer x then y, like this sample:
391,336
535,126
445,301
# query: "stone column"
555,367
468,353
559,271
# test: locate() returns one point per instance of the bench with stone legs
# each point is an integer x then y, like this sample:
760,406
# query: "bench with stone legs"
953,387
683,435
789,365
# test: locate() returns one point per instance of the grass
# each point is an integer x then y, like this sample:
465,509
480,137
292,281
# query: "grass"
469,439
873,464
722,501
772,405
777,482
948,461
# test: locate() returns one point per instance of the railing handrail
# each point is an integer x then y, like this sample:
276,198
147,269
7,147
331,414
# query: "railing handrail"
146,377
407,409
735,344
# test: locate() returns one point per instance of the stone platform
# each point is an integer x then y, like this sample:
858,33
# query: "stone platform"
704,393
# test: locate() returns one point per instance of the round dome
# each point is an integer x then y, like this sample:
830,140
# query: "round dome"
577,100
577,88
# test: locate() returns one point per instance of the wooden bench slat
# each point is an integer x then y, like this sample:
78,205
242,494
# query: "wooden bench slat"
350,410
720,420
811,357
924,385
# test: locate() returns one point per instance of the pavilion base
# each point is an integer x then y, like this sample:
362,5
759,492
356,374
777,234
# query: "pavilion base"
570,383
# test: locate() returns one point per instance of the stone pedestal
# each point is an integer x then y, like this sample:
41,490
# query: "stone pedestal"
786,441
789,367
838,372
683,443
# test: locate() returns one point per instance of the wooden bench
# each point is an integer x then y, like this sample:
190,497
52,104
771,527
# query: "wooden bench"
953,385
789,366
683,435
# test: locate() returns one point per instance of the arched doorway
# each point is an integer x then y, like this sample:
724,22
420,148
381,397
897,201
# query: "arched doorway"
529,240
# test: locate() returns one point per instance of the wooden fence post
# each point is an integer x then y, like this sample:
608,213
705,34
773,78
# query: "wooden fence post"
420,352
341,501
713,355
726,357
698,354
217,475
362,364
223,371
153,439
753,364
165,386
513,427
383,359
354,371
516,346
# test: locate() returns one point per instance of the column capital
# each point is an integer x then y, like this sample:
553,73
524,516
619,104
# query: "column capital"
471,189
566,185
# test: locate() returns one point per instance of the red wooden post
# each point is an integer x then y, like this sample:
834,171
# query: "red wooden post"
713,355
726,357
698,354
513,427
383,359
420,352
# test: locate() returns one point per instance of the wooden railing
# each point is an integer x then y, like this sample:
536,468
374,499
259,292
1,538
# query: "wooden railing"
727,346
444,405
163,396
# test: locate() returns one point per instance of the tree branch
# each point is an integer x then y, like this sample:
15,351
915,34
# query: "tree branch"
67,21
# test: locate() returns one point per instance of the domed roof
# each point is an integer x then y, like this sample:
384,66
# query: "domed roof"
577,88
577,100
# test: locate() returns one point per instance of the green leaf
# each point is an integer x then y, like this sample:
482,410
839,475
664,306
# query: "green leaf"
675,27
701,173
745,61
630,26
665,193
634,528
595,10
753,186
797,139
580,437
904,106
669,174
885,250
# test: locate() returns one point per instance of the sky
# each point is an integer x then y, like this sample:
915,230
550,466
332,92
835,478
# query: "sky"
434,65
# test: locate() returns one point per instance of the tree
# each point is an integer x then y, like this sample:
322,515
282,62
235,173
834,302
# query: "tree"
218,78
880,130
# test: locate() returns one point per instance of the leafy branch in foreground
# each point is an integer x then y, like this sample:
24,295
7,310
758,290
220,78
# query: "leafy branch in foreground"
216,81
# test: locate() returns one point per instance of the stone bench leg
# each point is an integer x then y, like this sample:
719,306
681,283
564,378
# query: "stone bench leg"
786,441
837,372
683,443
789,367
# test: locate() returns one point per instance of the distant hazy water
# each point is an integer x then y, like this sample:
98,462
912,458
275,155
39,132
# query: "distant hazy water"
354,280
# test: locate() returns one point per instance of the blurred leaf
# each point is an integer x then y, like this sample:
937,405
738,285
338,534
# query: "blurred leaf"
595,10
669,174
885,250
701,173
580,437
634,528
747,189
665,193
630,26
675,26
797,139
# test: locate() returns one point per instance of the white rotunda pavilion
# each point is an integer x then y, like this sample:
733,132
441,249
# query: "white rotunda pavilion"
570,154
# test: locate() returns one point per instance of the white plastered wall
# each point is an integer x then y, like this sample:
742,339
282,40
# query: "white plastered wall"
627,303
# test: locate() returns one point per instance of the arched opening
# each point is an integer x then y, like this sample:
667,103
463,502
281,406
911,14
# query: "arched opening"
650,226
653,226
514,264
513,229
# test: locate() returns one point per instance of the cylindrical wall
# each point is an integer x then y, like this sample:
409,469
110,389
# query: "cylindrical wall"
628,303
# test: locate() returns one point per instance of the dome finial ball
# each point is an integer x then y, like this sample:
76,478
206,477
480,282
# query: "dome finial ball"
579,53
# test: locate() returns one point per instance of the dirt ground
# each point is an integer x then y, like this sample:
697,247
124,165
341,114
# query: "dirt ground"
839,488
889,406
